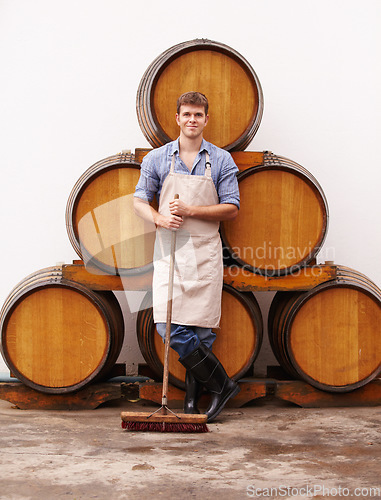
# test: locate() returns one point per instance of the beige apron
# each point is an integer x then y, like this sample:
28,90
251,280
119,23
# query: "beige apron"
198,276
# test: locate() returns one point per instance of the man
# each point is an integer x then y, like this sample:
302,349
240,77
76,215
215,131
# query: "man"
204,176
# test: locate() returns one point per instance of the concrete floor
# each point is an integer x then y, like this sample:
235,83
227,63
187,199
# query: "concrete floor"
299,453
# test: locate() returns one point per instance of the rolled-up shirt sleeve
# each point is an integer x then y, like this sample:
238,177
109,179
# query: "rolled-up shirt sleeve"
227,187
148,184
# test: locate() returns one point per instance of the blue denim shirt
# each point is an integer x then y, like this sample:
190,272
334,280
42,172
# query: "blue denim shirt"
156,165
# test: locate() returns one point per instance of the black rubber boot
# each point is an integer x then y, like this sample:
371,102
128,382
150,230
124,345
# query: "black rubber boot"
208,370
193,390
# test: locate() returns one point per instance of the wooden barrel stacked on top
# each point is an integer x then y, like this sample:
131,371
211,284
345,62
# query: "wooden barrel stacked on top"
100,219
218,71
283,219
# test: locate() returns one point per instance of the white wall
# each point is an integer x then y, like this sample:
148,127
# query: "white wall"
69,75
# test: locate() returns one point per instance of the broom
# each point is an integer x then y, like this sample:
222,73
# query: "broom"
164,419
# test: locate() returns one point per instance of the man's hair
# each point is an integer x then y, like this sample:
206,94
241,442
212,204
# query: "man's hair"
195,98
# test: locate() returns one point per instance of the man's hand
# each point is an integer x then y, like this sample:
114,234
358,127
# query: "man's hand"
217,212
178,207
147,212
172,222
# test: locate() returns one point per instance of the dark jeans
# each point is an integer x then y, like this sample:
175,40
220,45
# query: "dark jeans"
184,338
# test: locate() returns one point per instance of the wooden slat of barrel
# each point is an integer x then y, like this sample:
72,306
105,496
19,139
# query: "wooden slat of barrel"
102,224
114,315
331,334
280,308
221,73
282,222
236,346
57,336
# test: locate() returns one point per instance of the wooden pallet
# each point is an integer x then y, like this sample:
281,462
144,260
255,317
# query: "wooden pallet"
239,278
92,396
88,398
293,391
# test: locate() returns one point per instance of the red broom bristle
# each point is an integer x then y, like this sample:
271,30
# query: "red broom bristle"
164,427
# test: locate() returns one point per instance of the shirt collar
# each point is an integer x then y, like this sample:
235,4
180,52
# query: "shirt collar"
205,146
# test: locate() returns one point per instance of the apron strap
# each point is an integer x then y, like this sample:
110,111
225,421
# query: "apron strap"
208,166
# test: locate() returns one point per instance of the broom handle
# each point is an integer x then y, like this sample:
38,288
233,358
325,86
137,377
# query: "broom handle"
169,315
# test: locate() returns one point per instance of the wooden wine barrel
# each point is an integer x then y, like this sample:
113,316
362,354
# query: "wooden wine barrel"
221,73
101,222
58,336
330,335
236,346
283,219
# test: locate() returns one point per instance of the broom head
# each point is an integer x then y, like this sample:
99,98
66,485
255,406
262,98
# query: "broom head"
164,422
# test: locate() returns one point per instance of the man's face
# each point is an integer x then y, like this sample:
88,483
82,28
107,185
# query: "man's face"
191,120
